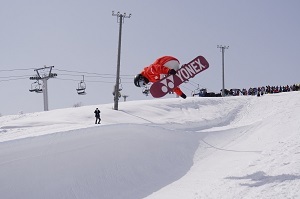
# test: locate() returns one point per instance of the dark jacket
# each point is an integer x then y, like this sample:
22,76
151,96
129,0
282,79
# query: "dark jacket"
97,113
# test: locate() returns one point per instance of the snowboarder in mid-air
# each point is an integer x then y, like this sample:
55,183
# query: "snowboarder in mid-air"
162,66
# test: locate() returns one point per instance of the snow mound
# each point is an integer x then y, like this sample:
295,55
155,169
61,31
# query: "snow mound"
235,147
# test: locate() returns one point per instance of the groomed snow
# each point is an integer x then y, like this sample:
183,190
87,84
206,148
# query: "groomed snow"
233,147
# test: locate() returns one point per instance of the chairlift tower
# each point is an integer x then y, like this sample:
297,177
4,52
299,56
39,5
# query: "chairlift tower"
120,20
222,48
43,75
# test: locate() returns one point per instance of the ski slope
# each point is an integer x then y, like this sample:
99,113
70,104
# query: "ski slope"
233,147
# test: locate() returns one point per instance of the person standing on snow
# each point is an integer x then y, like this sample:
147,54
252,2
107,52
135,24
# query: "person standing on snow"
97,115
154,72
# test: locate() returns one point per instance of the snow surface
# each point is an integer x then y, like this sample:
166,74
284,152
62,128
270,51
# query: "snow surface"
234,147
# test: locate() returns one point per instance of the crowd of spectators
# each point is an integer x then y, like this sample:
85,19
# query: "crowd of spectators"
255,91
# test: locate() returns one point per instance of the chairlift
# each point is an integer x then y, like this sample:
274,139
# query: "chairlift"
81,87
36,87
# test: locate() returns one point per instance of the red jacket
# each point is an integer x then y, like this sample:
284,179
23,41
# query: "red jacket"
152,72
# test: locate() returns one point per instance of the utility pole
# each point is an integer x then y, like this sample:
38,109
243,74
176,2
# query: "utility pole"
120,20
222,48
44,76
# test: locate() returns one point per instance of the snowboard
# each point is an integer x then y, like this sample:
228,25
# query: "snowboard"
184,73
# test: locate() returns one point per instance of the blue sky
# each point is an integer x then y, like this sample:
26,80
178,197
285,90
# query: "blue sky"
81,38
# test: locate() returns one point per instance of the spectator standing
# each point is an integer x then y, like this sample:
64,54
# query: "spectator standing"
97,115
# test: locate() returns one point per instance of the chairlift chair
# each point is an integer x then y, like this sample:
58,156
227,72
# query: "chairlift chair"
36,87
81,87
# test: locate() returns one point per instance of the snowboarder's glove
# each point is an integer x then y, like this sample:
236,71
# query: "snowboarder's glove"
172,72
183,95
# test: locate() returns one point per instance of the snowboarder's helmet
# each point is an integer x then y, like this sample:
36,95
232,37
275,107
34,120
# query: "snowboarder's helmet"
140,80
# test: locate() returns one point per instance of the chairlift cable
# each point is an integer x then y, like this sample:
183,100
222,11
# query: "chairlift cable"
76,80
20,69
100,74
16,76
13,79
